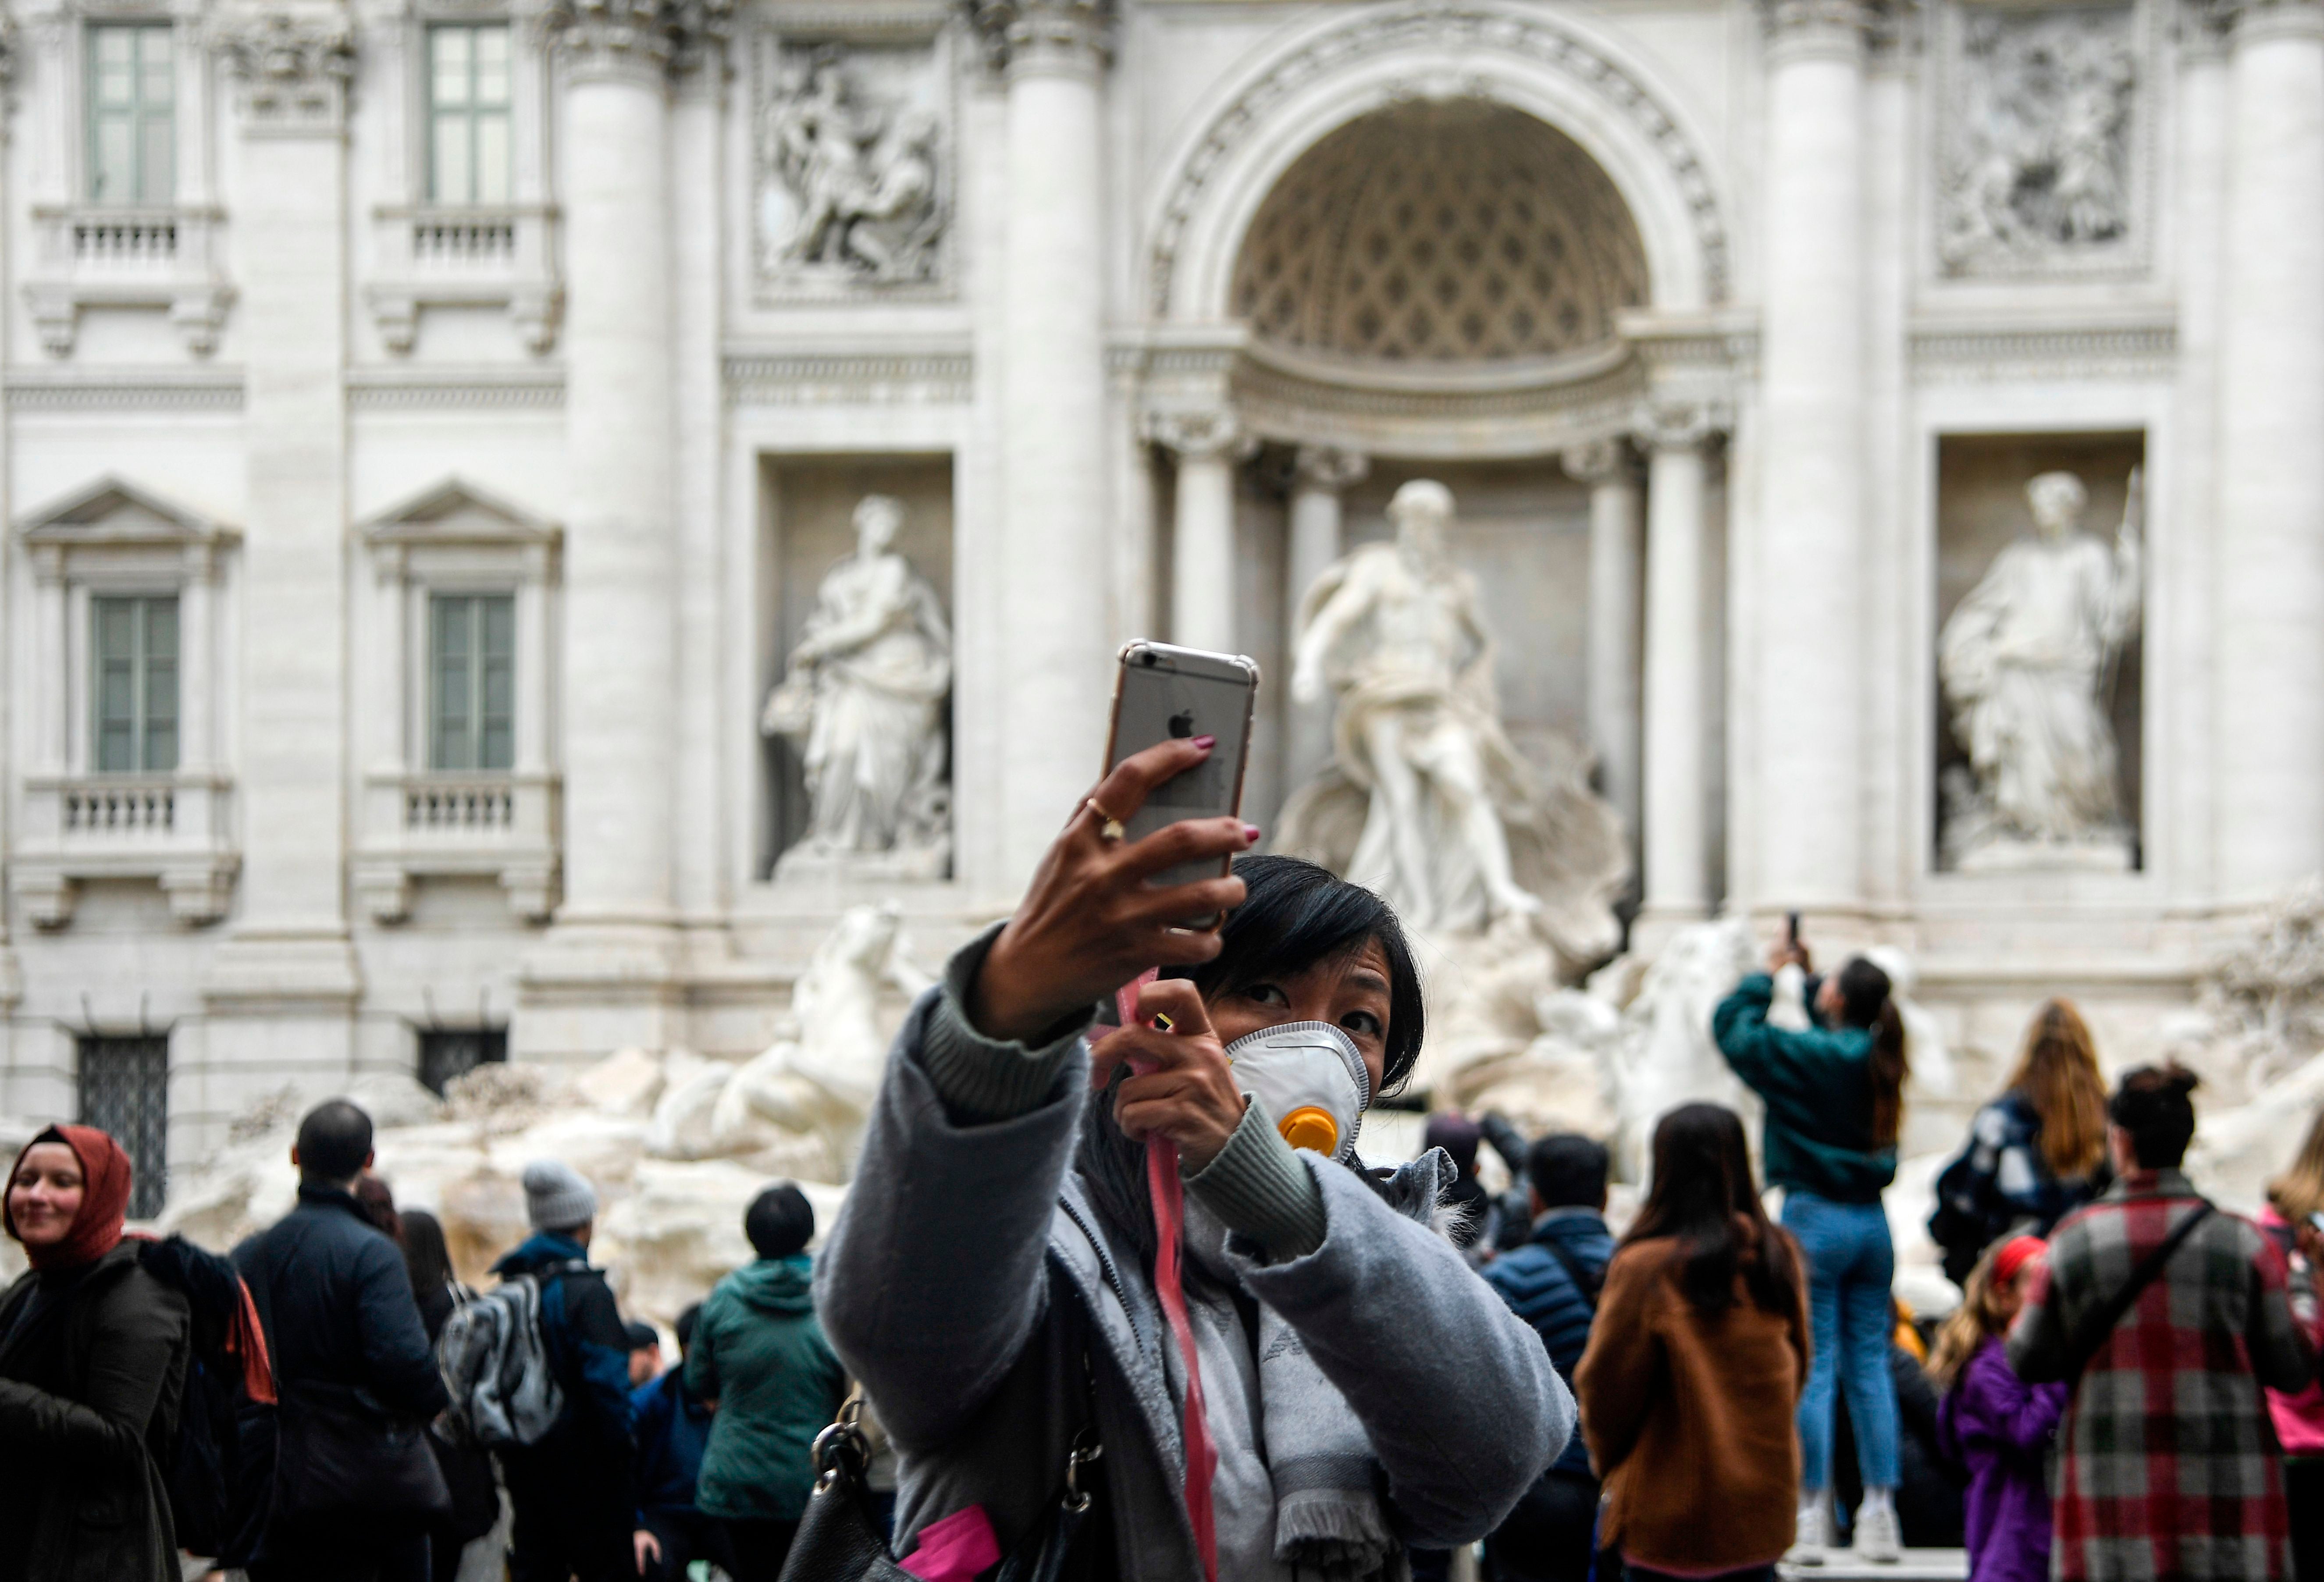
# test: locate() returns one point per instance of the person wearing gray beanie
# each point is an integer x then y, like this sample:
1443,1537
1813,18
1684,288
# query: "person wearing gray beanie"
557,1197
569,1490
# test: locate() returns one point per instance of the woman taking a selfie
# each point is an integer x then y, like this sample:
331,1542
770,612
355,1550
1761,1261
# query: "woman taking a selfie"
1694,1365
1835,1103
999,1284
92,1365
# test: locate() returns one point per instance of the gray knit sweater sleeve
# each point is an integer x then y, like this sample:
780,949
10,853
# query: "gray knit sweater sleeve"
1258,1187
980,1079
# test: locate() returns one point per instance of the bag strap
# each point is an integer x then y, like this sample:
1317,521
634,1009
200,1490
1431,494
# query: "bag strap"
2099,1327
1590,1289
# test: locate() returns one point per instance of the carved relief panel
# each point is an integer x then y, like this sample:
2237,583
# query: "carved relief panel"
852,167
2042,146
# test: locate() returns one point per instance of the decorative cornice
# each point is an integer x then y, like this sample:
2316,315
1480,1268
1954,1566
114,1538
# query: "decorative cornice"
2134,351
1042,35
790,379
859,19
403,389
2273,18
1541,41
294,67
125,391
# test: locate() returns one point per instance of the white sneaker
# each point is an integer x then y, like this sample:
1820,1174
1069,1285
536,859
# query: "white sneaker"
1879,1539
1813,1534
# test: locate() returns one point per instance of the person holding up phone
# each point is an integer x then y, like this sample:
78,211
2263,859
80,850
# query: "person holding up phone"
993,1279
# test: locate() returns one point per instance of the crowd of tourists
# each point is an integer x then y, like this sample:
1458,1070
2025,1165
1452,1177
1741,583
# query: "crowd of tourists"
1089,1313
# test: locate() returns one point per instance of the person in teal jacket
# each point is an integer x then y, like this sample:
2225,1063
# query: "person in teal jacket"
1834,1097
759,1357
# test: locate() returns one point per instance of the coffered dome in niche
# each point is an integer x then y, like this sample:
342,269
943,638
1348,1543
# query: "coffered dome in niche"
1439,234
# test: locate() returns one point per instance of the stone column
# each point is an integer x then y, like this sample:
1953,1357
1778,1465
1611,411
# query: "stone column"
1675,846
1320,475
1053,416
612,951
1207,445
2269,815
283,986
1807,573
1612,667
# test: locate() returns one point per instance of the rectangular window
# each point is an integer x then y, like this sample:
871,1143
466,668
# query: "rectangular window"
468,113
124,1091
134,645
448,1053
472,681
132,113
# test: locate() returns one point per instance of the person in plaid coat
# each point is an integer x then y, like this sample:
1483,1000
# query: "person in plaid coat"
2169,1467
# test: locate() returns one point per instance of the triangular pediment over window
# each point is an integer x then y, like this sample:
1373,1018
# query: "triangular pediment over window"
113,512
457,512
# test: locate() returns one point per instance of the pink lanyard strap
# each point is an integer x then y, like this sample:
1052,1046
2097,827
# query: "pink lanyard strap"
1163,1185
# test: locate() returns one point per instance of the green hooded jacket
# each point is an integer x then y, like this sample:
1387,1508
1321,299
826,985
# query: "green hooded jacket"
759,1354
1818,1085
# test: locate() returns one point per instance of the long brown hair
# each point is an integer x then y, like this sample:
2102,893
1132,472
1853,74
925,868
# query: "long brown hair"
1970,1325
1703,1196
1865,1001
2299,1191
2058,1073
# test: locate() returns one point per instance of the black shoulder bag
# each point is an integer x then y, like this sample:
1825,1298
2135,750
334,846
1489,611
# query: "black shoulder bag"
2099,1326
338,1456
839,1538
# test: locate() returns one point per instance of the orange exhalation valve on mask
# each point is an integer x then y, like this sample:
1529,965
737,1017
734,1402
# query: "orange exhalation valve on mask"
1311,1080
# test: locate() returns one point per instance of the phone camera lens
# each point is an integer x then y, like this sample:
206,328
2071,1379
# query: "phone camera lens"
1148,658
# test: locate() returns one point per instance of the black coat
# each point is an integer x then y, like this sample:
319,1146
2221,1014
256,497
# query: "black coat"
337,1305
89,1392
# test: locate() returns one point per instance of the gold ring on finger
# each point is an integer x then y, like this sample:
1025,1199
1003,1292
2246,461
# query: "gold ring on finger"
1109,828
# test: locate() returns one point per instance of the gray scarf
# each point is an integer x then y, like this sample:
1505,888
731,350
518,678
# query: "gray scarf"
1329,1523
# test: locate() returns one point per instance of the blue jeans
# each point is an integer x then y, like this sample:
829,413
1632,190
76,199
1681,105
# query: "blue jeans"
1851,1267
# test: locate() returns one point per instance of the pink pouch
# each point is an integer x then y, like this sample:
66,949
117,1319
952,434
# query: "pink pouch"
955,1549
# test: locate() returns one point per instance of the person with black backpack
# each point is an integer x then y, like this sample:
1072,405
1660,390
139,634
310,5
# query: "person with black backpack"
572,1487
2166,1317
355,1486
1552,1282
92,1351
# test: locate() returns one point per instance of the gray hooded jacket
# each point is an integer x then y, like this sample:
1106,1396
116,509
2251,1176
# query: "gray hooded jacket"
970,1275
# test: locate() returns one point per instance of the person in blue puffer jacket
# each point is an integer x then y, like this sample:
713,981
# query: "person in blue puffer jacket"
1552,1282
573,1492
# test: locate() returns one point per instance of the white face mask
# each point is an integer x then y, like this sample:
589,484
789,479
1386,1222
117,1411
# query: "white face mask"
1312,1080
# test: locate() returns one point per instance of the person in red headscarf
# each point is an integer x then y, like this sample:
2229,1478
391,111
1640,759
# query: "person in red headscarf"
93,1353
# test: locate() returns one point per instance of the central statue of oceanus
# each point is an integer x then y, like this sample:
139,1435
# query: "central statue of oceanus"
1428,802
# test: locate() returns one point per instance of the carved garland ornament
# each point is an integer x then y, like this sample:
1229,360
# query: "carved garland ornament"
1436,25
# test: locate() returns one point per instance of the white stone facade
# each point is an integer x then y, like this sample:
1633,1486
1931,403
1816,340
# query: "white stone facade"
330,327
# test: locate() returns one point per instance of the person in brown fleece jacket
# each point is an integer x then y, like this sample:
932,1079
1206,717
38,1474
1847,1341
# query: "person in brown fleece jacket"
1695,1366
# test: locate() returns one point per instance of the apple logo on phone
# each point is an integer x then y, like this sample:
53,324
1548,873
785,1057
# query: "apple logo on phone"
1181,723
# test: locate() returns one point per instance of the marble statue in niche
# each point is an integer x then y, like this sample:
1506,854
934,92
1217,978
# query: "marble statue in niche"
863,700
1427,801
854,196
2039,161
2028,665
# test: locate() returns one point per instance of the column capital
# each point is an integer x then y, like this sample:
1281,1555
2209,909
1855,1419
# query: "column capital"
1797,28
1213,434
1043,35
1680,425
1600,462
1328,468
294,67
2241,22
634,41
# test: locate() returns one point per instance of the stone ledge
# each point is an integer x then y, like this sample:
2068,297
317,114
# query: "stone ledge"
1919,1565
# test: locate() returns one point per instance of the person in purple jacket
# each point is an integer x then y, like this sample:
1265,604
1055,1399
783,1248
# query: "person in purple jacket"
1998,1425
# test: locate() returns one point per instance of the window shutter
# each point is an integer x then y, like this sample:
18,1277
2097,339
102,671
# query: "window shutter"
454,666
160,712
496,703
114,630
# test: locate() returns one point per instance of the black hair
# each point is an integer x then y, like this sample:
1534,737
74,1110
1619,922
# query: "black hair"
642,1335
425,1255
1567,1170
1867,1001
1458,1135
779,1221
1703,1196
2156,1105
1295,913
684,1326
334,1141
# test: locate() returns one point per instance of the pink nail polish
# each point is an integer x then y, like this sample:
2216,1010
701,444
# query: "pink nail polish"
1206,742
1251,834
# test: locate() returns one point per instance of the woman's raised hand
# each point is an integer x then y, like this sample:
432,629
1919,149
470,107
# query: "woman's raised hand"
1187,1090
1090,922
